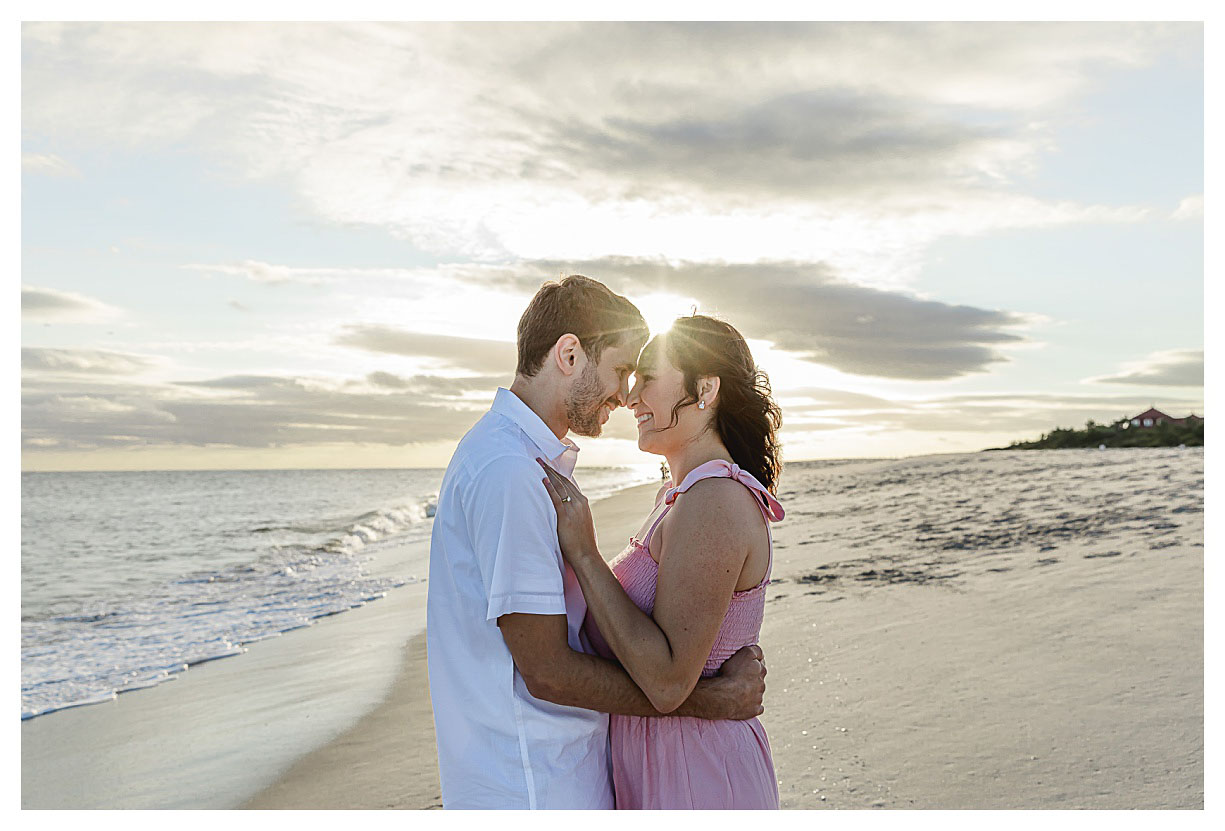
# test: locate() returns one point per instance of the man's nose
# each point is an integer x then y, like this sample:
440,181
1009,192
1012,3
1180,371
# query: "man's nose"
623,393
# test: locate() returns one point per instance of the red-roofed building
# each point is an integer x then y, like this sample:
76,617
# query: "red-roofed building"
1153,417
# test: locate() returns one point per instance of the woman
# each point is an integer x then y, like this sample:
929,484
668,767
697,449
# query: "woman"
689,590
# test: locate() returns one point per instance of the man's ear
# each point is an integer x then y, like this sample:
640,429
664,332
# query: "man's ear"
708,389
569,355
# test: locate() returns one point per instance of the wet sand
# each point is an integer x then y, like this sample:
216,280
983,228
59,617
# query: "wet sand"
386,760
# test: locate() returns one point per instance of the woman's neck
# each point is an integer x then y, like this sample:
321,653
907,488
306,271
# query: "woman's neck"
694,455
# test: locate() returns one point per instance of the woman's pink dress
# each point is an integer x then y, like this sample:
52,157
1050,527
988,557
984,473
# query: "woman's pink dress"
677,761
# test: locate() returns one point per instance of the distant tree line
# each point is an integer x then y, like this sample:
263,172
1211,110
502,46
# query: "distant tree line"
1116,434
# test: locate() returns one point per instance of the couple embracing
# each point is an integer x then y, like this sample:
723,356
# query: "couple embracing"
560,681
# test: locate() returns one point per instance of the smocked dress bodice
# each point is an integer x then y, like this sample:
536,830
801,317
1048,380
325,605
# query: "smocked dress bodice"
637,571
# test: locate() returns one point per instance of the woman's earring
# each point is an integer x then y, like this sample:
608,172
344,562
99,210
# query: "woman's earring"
701,405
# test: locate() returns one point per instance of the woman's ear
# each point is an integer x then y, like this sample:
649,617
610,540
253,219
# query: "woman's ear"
708,389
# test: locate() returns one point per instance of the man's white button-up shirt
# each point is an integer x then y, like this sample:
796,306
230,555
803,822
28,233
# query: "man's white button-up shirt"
494,551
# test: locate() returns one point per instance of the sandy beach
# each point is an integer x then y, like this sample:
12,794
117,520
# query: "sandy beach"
1005,630
992,630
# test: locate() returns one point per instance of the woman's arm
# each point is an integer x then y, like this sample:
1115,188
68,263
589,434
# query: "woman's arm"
554,672
708,539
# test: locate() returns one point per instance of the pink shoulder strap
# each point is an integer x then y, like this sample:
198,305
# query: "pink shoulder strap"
770,507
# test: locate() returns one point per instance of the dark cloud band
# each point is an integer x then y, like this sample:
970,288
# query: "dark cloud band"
805,308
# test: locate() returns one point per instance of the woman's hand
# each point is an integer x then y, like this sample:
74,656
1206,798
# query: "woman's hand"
575,528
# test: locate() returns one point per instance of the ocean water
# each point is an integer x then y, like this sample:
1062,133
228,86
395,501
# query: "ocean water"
128,578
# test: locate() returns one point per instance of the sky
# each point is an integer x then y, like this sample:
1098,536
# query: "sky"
274,245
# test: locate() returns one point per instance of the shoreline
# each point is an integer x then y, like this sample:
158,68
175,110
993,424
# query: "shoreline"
387,760
222,731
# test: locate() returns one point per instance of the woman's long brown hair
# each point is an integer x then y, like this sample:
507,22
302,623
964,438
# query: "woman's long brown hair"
746,416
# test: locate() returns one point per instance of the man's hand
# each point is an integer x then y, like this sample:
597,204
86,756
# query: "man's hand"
744,676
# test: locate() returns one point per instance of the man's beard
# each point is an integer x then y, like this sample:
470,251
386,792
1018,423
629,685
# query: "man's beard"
583,403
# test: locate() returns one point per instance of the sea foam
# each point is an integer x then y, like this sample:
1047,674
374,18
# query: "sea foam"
300,573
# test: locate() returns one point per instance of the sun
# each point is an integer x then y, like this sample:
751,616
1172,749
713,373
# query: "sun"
660,310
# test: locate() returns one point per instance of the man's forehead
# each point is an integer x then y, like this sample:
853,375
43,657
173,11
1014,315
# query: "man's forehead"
623,356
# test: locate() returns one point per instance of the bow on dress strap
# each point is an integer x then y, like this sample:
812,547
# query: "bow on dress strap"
723,468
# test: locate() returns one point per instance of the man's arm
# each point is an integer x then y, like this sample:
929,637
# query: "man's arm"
555,672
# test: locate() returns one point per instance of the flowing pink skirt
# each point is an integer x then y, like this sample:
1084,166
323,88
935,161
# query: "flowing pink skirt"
680,762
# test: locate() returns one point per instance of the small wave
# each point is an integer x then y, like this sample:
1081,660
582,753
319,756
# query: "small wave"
92,664
368,527
97,653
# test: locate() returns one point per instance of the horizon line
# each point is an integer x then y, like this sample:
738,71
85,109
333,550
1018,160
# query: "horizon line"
287,469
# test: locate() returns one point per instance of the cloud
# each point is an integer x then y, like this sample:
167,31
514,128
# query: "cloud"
48,164
260,272
824,397
798,146
806,309
255,271
1189,208
53,305
84,361
484,356
1170,368
406,281
803,308
851,143
387,379
437,385
84,418
245,411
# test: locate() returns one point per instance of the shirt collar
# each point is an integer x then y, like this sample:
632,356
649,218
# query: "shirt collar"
561,454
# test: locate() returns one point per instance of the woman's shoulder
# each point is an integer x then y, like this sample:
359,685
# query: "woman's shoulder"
719,500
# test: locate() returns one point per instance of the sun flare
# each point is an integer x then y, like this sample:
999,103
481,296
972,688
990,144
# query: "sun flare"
660,310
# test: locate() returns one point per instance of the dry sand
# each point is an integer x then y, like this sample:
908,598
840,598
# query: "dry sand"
996,630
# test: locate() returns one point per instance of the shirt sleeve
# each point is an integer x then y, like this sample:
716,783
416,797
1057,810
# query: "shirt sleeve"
513,528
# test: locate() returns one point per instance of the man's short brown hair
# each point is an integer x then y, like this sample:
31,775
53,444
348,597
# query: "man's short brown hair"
579,306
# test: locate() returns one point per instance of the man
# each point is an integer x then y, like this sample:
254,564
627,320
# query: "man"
520,700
